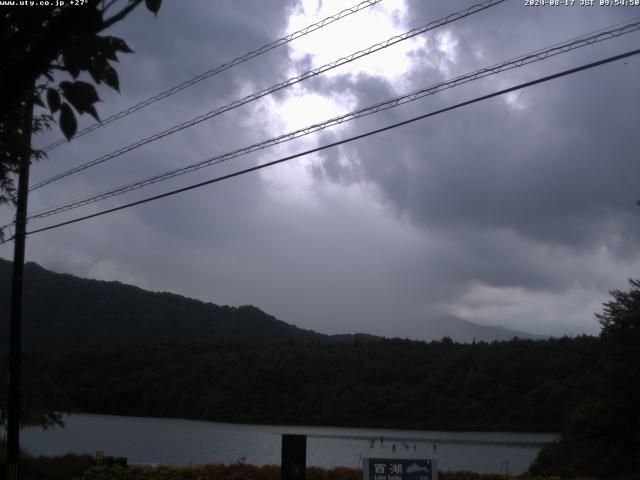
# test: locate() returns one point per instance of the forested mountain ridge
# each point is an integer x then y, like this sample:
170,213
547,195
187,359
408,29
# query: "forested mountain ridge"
62,311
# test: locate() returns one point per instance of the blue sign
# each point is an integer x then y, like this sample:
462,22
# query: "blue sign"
399,469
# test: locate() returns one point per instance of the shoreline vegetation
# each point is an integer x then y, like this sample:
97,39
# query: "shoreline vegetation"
267,472
85,467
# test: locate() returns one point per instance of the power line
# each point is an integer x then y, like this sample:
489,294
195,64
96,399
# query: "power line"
516,62
341,142
219,69
279,86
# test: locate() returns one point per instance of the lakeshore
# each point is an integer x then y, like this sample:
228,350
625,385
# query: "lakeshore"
181,443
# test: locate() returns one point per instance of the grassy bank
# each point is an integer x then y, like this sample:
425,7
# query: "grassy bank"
75,467
83,467
64,467
252,472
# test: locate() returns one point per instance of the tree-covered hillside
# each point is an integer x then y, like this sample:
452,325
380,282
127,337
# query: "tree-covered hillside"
516,385
62,311
601,433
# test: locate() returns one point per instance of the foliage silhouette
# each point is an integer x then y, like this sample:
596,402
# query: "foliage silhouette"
602,435
41,44
516,385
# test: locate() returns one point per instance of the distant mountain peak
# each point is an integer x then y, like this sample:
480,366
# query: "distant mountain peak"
462,330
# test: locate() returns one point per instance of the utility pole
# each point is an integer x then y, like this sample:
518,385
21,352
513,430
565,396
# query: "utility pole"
15,329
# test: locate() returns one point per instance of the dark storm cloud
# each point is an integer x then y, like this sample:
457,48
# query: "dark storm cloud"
554,169
186,39
183,41
532,198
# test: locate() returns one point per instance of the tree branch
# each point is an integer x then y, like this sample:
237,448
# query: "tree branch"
107,5
120,15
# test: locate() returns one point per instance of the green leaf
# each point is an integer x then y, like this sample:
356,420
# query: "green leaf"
91,110
95,73
71,63
153,5
109,53
81,95
68,122
53,99
109,47
95,68
119,45
110,77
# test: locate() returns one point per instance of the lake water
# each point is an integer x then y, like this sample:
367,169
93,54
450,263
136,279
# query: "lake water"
183,442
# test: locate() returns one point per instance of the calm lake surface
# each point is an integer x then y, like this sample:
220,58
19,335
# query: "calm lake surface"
183,442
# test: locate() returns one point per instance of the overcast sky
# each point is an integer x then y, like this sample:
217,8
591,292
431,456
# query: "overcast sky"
518,211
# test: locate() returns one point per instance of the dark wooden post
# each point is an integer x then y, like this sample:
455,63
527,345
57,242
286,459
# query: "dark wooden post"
15,328
294,457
